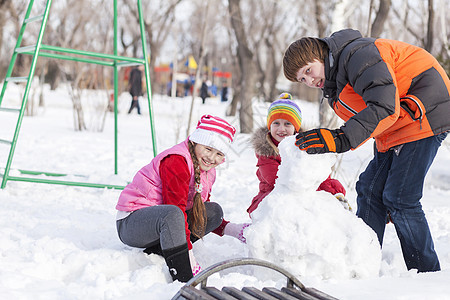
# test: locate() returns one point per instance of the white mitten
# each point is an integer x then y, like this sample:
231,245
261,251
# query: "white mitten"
343,201
236,230
196,268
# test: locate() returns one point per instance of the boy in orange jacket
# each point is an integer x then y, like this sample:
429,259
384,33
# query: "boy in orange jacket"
397,94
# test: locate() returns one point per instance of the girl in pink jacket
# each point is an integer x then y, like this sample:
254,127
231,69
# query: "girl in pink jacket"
166,207
284,119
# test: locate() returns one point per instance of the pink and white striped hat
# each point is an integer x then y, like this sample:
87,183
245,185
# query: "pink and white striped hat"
213,132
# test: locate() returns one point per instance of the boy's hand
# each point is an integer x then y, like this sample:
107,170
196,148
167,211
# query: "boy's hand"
322,140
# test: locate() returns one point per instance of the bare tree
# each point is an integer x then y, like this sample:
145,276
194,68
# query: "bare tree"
266,37
15,10
380,19
318,13
75,92
342,12
4,5
244,88
71,32
159,17
202,53
444,53
430,27
413,22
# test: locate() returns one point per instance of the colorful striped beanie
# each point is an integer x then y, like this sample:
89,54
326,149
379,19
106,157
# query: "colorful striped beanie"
213,132
285,108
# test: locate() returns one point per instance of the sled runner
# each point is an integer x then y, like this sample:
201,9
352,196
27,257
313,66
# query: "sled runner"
294,288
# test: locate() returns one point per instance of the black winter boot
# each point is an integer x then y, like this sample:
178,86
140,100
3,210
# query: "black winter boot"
177,259
155,249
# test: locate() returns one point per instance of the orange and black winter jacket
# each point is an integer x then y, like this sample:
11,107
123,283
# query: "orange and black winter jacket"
385,89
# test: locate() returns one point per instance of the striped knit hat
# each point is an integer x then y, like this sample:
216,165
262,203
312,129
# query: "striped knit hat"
285,108
213,132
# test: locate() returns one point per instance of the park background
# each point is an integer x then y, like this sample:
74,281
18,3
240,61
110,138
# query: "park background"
240,42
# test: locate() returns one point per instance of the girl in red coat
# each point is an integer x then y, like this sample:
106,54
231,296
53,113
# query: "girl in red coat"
167,206
284,119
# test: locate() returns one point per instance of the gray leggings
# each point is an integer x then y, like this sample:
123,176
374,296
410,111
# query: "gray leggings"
162,224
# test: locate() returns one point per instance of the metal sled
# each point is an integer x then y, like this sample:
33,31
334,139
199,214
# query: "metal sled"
294,288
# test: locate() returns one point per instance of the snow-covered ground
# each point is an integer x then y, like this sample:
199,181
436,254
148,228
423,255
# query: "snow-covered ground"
60,242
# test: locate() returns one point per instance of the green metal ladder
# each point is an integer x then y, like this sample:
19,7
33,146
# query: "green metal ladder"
40,49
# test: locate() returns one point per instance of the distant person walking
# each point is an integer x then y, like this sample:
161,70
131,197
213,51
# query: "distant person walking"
224,93
135,87
204,91
187,86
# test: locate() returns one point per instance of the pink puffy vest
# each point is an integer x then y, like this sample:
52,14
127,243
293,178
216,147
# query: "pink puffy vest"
146,187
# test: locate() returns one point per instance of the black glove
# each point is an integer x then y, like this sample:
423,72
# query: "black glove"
322,140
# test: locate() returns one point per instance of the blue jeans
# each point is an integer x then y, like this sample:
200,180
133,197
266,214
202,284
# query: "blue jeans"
393,183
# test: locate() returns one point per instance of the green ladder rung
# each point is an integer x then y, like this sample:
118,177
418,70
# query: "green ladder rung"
55,181
7,109
34,19
30,172
16,79
63,182
26,49
128,64
122,61
2,141
90,53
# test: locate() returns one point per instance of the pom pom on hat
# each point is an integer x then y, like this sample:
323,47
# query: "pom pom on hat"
213,132
285,108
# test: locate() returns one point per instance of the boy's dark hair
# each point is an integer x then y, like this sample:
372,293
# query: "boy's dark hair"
300,53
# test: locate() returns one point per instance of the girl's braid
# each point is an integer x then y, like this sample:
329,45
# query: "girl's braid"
197,213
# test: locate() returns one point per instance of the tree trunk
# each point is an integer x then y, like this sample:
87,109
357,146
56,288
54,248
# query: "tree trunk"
321,26
53,74
380,19
3,11
232,109
75,96
246,66
202,54
327,117
79,123
273,71
430,32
